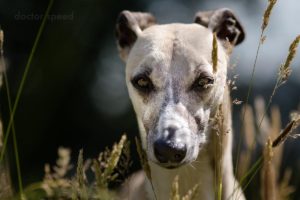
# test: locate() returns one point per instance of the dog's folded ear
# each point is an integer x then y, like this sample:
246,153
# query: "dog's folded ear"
224,23
129,25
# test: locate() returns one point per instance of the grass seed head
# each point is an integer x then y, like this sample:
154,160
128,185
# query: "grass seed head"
192,193
175,189
214,54
285,69
80,172
267,14
292,125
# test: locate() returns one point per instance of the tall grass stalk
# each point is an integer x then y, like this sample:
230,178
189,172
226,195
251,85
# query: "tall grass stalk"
24,77
15,145
80,178
250,174
268,173
264,25
275,131
284,73
292,125
214,53
219,129
175,189
219,134
190,195
249,131
5,181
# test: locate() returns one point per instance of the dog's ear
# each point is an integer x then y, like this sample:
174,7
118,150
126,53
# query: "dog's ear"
224,23
129,26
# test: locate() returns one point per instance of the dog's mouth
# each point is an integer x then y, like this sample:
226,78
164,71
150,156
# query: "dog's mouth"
170,165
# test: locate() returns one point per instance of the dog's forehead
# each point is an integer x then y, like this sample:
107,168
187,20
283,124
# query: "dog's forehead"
160,43
192,35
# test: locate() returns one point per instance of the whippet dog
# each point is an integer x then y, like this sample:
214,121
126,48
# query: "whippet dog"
175,93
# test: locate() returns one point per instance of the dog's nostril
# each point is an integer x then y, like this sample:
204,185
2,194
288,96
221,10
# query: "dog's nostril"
167,151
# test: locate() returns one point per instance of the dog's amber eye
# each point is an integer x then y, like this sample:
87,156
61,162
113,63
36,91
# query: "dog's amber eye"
142,83
203,83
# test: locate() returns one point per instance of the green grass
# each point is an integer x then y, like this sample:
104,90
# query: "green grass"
12,109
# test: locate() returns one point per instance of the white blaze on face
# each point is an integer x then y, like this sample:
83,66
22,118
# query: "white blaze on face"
176,56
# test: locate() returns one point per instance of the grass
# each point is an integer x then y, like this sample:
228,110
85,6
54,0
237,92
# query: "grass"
262,37
111,165
60,183
5,189
13,108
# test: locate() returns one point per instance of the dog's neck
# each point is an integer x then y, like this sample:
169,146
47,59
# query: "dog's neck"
200,172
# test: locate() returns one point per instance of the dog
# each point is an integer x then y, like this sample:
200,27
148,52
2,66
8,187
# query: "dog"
175,93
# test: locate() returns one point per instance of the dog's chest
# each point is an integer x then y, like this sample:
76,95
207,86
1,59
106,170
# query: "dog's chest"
200,173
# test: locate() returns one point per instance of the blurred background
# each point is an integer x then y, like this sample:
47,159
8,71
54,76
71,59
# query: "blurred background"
75,94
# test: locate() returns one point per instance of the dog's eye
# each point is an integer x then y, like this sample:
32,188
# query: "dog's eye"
203,83
142,83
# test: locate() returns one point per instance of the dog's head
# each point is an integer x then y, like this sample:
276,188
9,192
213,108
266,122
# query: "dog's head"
171,81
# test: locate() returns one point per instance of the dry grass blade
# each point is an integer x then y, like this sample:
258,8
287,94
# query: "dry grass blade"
80,178
262,121
97,171
107,163
214,53
192,193
175,189
287,130
54,182
63,162
249,127
275,131
268,174
59,186
115,156
219,134
267,14
80,172
284,134
249,132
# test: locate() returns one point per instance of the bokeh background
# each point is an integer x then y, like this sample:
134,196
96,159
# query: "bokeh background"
75,94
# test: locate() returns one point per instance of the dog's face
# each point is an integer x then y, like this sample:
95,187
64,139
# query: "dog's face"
171,81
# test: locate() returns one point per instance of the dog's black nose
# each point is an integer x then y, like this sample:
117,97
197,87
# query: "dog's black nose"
169,151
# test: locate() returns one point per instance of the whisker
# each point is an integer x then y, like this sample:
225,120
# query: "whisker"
192,166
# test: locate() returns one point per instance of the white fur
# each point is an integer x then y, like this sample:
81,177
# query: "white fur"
175,52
